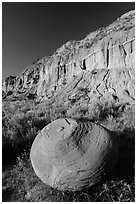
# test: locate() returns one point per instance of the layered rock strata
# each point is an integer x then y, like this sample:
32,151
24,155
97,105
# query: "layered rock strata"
108,48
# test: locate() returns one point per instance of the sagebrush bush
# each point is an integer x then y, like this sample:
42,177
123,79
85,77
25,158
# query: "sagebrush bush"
77,112
19,131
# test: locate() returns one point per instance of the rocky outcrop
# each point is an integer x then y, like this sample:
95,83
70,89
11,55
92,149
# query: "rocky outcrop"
110,49
72,155
101,85
8,85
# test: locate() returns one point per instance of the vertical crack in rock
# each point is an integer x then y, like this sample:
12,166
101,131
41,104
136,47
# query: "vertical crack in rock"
65,71
123,53
100,94
58,73
105,79
84,64
131,47
107,57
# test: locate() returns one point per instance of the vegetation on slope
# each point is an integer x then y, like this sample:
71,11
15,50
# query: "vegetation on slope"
21,123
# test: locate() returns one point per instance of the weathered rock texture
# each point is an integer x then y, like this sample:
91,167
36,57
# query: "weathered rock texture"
71,155
106,55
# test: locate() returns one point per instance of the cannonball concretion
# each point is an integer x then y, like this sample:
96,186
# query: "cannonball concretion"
70,154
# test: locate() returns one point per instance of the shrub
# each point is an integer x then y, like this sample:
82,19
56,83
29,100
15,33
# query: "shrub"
58,111
19,132
77,111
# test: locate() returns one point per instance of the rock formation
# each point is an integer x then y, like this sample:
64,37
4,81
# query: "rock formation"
72,155
103,61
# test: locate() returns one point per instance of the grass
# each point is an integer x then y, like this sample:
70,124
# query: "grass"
21,184
21,123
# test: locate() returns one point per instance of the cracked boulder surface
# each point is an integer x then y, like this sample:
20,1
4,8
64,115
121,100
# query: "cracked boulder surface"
70,154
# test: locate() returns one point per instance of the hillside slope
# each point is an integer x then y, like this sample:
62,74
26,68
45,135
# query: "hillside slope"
101,66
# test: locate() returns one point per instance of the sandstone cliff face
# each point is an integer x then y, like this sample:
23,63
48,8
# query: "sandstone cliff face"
103,62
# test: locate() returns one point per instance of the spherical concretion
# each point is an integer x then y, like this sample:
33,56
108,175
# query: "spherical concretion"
71,155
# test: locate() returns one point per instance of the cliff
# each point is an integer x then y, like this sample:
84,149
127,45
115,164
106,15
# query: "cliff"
101,67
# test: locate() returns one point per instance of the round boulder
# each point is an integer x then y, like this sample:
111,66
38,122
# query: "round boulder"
70,154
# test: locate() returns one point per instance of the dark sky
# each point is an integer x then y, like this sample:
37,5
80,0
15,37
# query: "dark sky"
31,29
